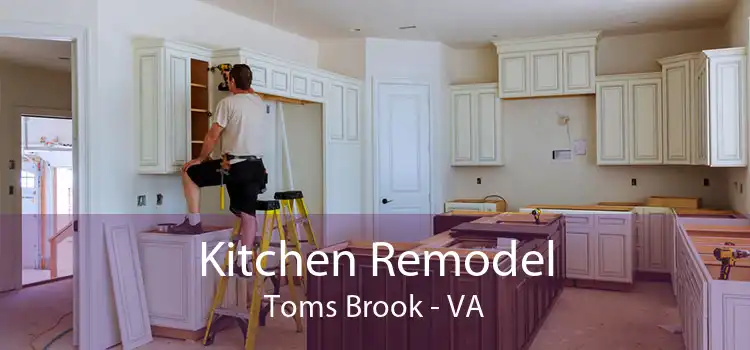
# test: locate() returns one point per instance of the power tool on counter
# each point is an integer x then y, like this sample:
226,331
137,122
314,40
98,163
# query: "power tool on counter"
728,257
224,68
536,213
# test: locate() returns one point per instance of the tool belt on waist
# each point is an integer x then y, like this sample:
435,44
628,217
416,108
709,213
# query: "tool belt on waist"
231,157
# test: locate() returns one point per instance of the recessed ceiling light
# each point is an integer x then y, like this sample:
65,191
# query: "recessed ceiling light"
355,30
407,27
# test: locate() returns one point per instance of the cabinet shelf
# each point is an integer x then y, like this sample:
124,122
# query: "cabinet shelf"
198,110
198,85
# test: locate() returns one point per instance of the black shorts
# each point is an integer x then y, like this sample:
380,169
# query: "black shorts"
246,180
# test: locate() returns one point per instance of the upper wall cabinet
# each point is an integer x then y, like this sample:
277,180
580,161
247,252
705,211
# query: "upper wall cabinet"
171,101
276,77
476,125
547,66
705,108
629,119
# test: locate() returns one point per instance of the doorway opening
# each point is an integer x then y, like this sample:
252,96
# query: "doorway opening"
46,198
36,90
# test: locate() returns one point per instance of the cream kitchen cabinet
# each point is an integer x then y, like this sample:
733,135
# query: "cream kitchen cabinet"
677,74
547,66
163,102
599,246
343,113
705,108
721,101
178,293
654,239
629,119
476,126
274,76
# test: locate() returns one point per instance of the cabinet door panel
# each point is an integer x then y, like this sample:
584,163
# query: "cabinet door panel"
657,243
487,128
727,119
612,123
335,112
579,70
700,114
352,113
462,130
578,260
178,108
546,72
611,259
646,128
300,84
149,70
514,72
677,113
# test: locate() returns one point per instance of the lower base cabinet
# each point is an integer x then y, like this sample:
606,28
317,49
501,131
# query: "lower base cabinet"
512,307
177,293
599,245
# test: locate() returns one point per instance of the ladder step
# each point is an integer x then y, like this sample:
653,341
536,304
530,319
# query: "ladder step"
299,220
232,313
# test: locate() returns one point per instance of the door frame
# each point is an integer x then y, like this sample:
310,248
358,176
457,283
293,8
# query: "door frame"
375,152
83,65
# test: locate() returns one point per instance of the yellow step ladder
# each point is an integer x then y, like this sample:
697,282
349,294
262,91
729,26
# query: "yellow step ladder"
259,309
289,200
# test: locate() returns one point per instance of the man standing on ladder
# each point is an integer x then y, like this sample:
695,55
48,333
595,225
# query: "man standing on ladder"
239,127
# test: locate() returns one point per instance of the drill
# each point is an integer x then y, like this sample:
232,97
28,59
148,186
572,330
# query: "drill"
728,257
224,68
536,213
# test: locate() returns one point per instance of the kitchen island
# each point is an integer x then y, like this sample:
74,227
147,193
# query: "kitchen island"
513,307
714,312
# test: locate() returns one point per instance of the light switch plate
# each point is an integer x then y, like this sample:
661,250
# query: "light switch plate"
579,147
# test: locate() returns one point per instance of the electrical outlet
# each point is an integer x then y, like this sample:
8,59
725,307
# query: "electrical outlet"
706,182
633,182
159,198
479,181
142,200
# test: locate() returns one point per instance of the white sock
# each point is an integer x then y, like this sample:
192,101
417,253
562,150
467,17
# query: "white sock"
194,218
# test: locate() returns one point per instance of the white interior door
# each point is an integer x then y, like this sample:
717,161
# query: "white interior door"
402,117
31,208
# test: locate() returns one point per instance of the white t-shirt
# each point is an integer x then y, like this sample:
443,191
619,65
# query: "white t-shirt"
241,116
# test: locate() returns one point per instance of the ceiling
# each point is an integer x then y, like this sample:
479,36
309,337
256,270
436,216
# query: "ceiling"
36,53
471,23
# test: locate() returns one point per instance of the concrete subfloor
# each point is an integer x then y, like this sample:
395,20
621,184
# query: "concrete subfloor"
582,319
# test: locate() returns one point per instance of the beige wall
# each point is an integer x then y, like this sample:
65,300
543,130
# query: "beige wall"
304,129
531,133
737,33
27,87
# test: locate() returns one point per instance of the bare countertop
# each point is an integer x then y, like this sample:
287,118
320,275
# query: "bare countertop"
594,207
